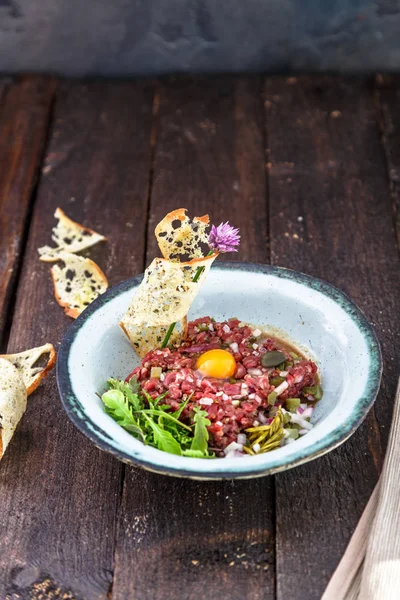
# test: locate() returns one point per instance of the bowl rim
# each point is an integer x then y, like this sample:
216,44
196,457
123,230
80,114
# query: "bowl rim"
335,438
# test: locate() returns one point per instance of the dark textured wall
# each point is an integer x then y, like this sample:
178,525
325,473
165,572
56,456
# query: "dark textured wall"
135,37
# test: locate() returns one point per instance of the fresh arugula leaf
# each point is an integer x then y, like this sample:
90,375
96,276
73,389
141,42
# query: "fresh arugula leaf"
135,385
128,392
193,453
163,414
200,439
136,429
163,438
197,454
181,408
154,423
160,397
117,406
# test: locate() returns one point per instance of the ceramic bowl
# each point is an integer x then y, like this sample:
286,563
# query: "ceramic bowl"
310,313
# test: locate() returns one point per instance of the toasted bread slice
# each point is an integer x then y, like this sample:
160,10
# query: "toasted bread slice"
68,236
164,297
27,365
12,402
179,238
77,282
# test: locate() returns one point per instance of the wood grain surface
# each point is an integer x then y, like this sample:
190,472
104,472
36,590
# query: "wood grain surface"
60,494
307,168
25,107
178,538
330,215
388,99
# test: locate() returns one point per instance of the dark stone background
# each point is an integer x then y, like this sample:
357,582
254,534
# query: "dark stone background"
136,37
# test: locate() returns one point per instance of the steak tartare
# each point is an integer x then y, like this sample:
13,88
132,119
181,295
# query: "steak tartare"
257,392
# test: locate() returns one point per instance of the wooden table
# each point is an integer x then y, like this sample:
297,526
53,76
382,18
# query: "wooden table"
309,168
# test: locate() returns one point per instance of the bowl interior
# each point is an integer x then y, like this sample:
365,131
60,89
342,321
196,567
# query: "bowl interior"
307,312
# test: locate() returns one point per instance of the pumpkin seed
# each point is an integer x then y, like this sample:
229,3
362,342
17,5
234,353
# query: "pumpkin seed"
273,358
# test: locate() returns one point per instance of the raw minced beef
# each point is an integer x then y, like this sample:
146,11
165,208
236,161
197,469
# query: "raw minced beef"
232,405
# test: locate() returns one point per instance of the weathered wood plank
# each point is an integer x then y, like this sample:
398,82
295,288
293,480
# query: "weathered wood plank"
330,215
179,538
59,494
388,96
25,106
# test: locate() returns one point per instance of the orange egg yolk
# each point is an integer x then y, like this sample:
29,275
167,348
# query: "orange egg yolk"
219,364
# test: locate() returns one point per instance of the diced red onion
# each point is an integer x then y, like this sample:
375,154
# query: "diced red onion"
201,347
307,413
242,438
234,454
233,446
298,419
263,418
206,401
255,372
281,388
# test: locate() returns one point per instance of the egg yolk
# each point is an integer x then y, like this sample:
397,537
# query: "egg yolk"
219,364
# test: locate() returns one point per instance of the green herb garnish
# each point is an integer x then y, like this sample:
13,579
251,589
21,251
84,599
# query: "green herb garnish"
200,440
151,421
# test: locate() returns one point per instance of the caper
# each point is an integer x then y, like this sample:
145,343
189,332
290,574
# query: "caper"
272,359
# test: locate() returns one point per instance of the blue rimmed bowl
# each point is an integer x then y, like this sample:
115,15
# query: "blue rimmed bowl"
310,313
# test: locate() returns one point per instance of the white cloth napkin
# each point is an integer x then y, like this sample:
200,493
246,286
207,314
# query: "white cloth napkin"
370,567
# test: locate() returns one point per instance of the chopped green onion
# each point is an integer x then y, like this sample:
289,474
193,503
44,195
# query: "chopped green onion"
286,418
294,355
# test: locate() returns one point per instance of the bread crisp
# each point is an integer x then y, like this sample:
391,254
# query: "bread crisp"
168,290
26,364
68,236
164,297
77,282
180,238
12,402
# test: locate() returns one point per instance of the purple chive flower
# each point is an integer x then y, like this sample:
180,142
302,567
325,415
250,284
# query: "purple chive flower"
224,238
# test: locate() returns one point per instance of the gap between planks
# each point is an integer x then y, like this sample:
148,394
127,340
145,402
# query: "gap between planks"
26,149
